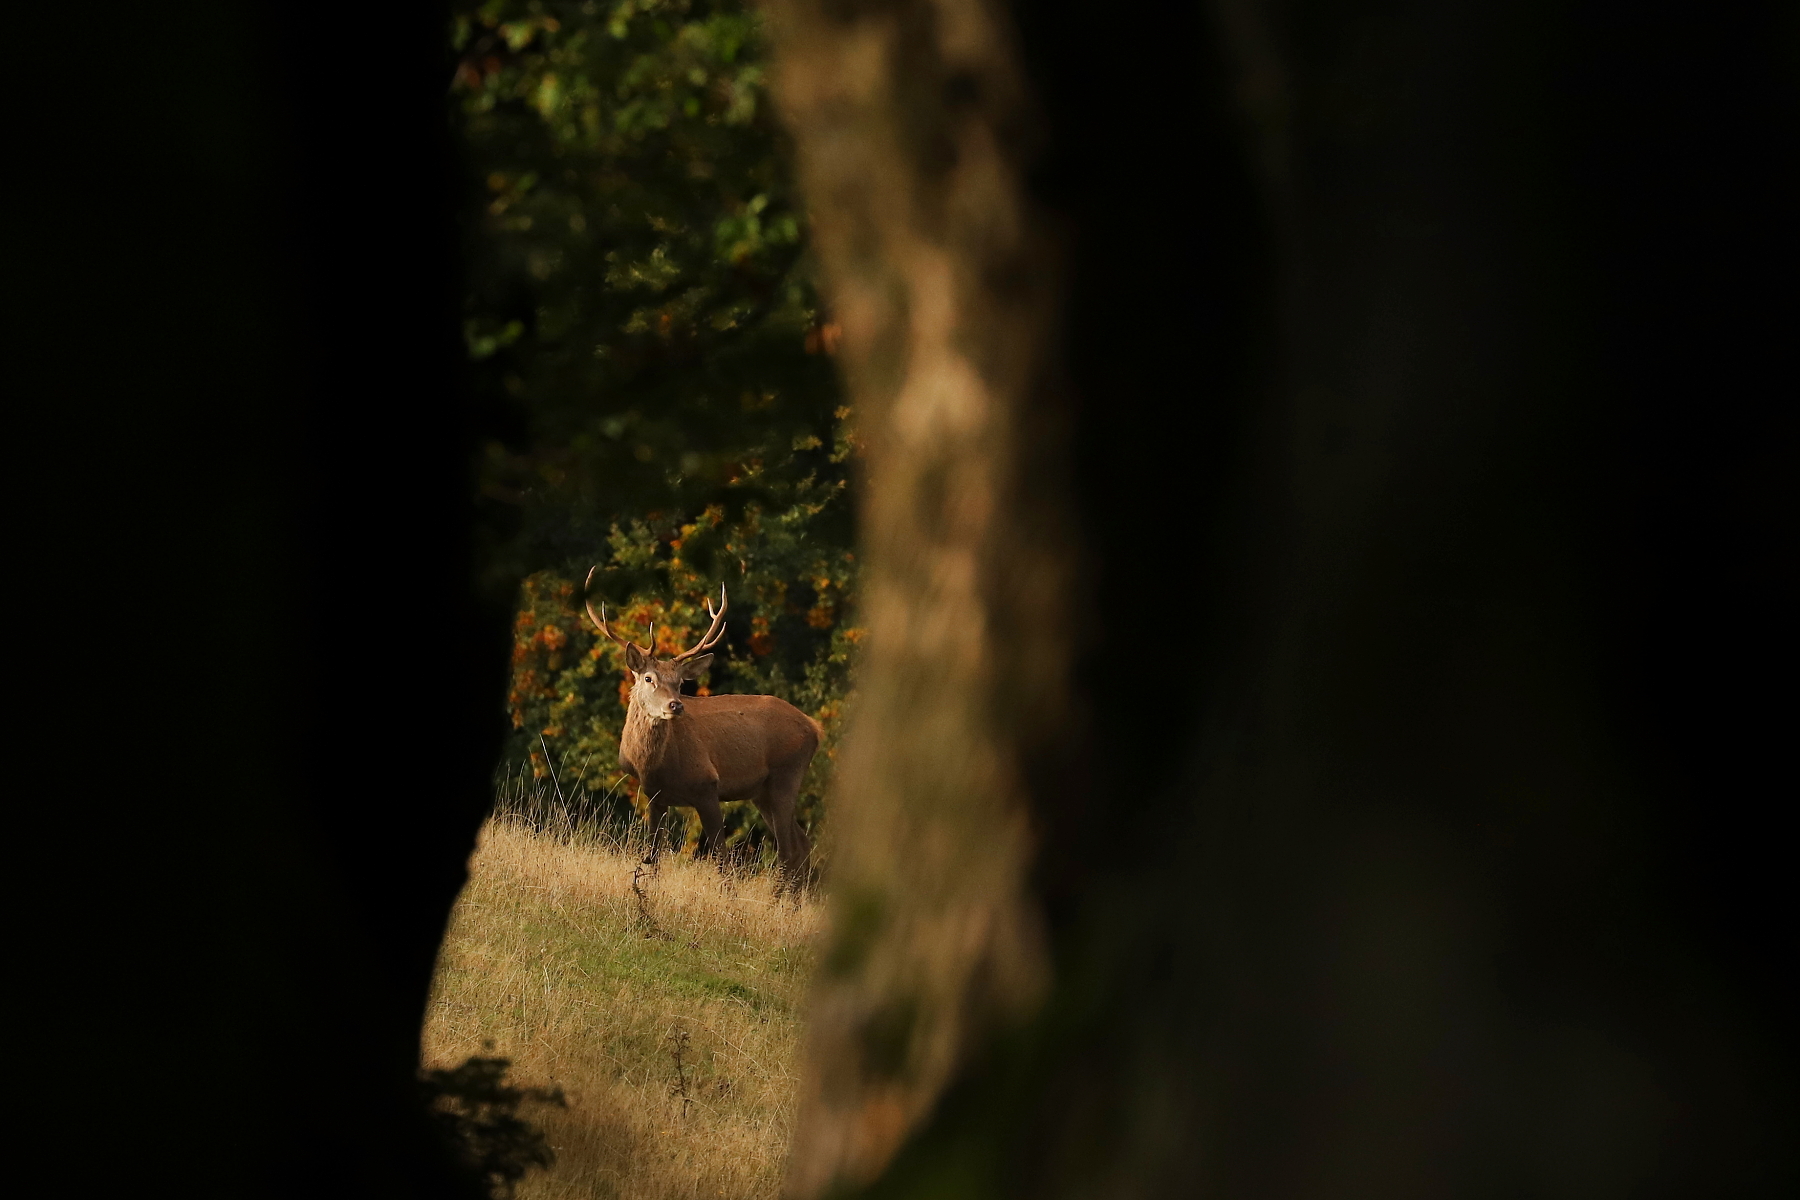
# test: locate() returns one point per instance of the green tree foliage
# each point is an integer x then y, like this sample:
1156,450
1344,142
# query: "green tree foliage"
641,313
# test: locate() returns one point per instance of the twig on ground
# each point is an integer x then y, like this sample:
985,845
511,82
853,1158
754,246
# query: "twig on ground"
644,916
678,1041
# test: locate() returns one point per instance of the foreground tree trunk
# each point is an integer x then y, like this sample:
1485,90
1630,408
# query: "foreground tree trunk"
1314,542
945,280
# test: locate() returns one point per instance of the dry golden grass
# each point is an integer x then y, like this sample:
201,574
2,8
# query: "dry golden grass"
549,961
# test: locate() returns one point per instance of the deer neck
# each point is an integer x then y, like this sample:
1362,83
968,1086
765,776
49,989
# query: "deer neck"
646,739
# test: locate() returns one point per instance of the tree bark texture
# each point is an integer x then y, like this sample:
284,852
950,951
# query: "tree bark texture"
912,125
1318,516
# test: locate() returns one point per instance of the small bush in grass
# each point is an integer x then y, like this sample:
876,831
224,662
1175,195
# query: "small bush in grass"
476,1113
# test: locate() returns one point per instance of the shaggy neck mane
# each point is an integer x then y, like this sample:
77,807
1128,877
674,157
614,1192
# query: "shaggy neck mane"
645,739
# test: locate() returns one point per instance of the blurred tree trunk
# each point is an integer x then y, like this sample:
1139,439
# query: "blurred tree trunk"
1318,507
912,125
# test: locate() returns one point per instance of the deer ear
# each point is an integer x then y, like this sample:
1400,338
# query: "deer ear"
693,668
635,659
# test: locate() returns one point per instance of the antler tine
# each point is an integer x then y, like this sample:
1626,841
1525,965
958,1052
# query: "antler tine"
713,634
599,618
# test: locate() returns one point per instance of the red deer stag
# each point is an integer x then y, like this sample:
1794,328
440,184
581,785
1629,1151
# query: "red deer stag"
695,751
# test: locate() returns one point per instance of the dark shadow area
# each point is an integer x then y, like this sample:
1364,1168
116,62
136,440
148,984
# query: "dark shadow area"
477,1117
239,409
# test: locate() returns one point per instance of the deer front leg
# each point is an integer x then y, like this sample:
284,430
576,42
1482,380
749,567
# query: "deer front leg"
712,823
657,809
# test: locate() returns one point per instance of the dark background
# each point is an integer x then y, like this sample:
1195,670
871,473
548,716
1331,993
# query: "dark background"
239,408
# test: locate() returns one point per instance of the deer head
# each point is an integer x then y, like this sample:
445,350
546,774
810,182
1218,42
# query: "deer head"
656,684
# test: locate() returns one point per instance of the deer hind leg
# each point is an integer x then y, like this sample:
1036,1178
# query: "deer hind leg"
777,803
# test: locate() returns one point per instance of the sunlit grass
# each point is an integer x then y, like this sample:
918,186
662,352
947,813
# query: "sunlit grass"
553,962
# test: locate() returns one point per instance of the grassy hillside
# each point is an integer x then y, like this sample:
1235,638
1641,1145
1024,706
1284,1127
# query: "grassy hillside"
553,962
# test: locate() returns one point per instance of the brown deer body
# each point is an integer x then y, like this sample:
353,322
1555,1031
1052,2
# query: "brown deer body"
700,751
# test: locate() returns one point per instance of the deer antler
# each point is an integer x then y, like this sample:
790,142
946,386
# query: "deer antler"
599,618
712,635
